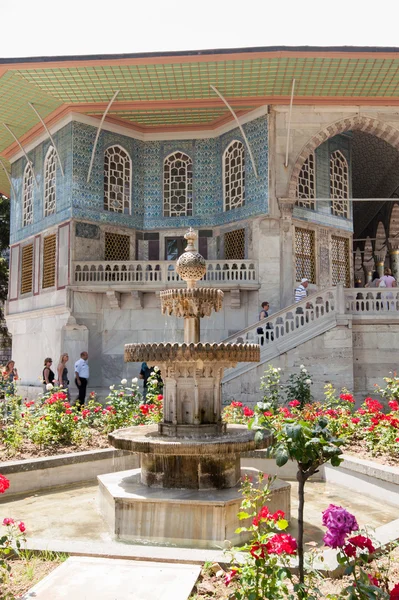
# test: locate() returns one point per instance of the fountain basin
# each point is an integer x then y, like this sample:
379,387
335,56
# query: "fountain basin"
203,463
185,518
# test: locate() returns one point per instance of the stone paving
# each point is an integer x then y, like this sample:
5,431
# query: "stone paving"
88,578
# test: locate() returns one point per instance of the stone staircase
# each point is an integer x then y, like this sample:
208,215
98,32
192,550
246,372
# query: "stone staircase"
319,333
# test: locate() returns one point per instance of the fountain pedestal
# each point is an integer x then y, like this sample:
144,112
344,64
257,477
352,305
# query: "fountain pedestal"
187,491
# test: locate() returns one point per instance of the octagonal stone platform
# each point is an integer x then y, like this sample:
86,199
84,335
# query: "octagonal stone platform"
181,517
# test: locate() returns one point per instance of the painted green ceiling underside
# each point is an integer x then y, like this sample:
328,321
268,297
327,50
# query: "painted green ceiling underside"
48,87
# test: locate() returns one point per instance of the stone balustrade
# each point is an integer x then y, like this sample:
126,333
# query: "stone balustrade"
220,273
372,301
289,322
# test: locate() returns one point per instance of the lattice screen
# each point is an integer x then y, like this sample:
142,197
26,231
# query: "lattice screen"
340,260
339,185
117,180
49,256
117,247
306,184
234,245
305,261
178,185
27,269
50,167
27,197
234,176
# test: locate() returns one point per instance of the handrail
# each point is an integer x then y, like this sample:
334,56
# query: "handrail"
310,300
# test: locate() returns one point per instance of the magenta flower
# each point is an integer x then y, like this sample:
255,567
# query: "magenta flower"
339,523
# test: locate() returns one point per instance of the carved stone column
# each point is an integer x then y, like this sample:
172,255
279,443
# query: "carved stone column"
380,260
324,258
287,251
393,245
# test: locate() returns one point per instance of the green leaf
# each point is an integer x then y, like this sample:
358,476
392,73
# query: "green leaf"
240,529
282,456
282,524
243,515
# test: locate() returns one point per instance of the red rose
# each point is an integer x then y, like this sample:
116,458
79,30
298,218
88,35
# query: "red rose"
294,403
21,526
258,551
347,397
4,484
160,397
394,594
281,543
279,514
229,576
76,418
248,412
373,580
358,541
393,404
8,521
355,420
236,404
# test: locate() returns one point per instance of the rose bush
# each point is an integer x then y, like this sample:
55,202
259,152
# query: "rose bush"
52,421
11,538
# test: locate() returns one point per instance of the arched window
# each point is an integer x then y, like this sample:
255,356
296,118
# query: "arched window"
234,175
117,180
305,190
178,185
339,184
50,167
27,196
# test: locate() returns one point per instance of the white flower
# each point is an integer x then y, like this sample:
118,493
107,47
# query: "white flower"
49,387
156,369
111,387
124,381
302,366
134,380
304,371
308,381
279,369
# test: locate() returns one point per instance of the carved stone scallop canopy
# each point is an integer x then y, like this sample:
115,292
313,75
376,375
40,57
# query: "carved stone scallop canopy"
164,353
192,302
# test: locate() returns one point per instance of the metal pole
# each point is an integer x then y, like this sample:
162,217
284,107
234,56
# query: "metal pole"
50,136
289,122
98,134
9,178
241,129
23,150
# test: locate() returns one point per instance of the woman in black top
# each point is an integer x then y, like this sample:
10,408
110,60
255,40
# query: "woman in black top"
48,375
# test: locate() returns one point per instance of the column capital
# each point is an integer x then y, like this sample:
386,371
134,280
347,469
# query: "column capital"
286,206
380,255
393,245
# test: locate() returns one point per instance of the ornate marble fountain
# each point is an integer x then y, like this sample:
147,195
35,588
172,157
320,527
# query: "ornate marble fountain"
187,489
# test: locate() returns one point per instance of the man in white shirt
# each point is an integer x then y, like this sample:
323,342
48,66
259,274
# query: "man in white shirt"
300,291
82,377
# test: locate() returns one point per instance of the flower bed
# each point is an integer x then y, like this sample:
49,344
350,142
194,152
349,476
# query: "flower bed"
51,425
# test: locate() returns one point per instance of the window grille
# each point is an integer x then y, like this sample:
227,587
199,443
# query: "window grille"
27,269
306,184
49,258
234,175
27,197
305,261
117,180
178,185
50,167
117,247
234,245
339,184
340,260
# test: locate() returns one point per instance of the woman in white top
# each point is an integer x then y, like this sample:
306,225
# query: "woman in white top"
388,279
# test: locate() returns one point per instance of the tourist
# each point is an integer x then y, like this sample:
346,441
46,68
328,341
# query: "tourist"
387,280
82,377
10,373
375,280
145,373
62,373
300,291
264,313
48,374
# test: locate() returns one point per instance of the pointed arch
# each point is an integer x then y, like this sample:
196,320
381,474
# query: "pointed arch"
50,182
394,222
361,123
117,179
234,175
178,185
27,196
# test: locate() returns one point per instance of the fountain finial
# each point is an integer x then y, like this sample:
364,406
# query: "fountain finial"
191,264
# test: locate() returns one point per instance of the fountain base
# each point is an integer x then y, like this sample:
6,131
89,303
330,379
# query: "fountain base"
179,517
